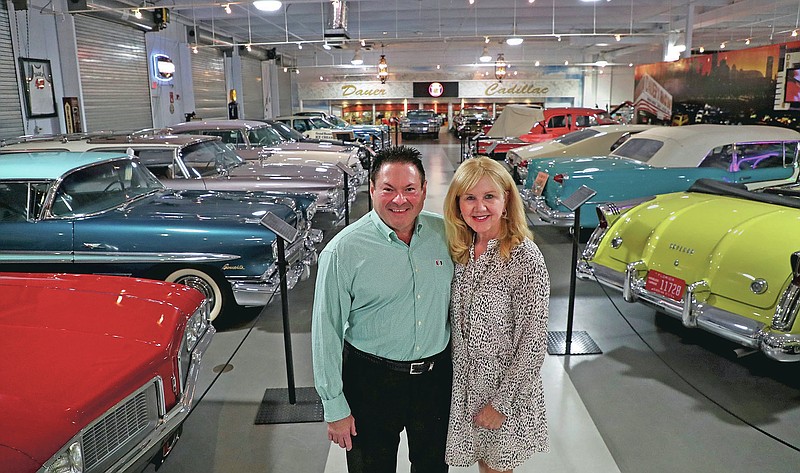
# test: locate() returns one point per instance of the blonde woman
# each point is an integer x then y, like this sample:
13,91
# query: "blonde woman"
498,314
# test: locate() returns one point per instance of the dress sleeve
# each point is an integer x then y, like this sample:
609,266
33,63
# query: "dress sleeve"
331,309
529,311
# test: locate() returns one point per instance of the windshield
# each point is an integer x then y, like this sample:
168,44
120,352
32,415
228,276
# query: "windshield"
286,131
576,136
640,149
319,122
264,136
420,114
101,187
338,122
207,158
474,112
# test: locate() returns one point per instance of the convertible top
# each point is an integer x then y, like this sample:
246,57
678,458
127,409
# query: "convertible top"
786,197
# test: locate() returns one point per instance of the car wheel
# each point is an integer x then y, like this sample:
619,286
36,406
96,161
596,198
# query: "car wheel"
206,284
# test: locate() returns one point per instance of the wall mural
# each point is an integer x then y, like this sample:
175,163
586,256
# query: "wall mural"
747,86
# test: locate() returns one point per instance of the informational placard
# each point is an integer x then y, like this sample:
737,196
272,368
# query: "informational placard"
279,226
578,198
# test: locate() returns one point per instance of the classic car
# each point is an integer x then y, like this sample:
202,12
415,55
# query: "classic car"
662,160
513,121
471,121
316,127
99,372
591,141
255,140
555,122
693,255
203,162
420,122
376,135
105,213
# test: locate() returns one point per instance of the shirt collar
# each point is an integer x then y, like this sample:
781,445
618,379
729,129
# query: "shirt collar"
388,232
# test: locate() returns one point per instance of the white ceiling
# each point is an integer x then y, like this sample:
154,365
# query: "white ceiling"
418,35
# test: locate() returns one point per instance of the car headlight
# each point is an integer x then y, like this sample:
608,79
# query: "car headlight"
311,210
196,326
69,460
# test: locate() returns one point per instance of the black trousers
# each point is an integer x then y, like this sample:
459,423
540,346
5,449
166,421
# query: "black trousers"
384,402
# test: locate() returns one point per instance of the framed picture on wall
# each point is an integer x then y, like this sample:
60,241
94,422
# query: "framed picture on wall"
37,82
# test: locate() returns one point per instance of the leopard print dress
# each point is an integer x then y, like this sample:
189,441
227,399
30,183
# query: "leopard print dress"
498,312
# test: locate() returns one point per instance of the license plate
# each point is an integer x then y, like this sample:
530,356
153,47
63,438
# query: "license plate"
539,183
665,285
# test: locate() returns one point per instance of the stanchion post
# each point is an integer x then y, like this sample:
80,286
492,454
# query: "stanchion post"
287,335
572,277
347,173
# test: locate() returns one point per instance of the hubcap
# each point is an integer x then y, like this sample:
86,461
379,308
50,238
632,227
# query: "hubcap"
201,285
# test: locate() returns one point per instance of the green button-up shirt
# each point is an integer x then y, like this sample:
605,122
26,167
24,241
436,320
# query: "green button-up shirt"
380,295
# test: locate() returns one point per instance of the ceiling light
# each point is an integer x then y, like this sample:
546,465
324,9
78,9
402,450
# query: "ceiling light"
500,67
558,37
722,45
249,47
485,56
486,39
618,37
299,45
438,66
227,7
514,41
137,13
566,63
321,78
363,43
296,70
536,63
326,47
357,59
531,1
383,69
794,32
630,64
471,2
267,5
194,49
702,50
601,63
747,41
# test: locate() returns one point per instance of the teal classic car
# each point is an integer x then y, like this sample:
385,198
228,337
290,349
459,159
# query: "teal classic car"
105,213
717,257
663,160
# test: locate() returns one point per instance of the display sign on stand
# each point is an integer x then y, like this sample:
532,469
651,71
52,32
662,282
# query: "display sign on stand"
560,343
273,408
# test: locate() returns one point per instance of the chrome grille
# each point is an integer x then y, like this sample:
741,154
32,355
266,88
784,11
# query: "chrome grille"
123,425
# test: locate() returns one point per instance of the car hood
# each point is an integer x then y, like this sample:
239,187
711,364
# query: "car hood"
730,252
584,165
283,172
62,369
306,146
194,204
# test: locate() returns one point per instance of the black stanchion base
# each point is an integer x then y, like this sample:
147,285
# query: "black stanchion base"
582,344
275,407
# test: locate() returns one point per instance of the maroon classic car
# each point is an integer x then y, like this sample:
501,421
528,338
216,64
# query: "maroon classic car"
98,372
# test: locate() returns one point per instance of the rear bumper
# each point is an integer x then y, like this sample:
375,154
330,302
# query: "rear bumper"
538,205
695,313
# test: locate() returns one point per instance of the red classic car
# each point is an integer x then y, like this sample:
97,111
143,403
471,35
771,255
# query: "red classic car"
98,372
557,121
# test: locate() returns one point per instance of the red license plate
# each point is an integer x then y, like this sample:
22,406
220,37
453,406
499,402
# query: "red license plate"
665,285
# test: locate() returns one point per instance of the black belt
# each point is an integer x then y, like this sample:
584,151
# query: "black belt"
411,367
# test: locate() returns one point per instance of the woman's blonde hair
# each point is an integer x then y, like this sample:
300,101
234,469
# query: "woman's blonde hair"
513,226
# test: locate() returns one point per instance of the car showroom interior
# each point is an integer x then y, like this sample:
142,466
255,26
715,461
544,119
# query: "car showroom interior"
171,174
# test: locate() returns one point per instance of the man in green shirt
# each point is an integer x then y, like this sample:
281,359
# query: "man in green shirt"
380,332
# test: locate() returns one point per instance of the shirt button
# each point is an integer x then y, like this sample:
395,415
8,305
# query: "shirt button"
419,322
419,296
417,348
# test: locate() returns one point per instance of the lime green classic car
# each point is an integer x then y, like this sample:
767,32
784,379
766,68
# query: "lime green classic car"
718,257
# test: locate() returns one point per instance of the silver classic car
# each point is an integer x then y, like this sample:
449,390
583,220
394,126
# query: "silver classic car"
254,140
203,162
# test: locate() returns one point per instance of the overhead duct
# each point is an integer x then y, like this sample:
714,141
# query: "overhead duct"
336,31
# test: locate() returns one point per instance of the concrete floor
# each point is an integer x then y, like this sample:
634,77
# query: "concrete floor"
661,398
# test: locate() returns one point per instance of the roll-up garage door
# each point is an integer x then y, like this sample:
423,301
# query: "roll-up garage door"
208,78
253,93
114,75
10,108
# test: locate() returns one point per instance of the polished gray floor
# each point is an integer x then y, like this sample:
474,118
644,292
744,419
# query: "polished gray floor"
661,398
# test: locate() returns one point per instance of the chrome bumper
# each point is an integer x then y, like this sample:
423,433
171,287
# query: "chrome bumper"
693,312
558,218
142,454
300,256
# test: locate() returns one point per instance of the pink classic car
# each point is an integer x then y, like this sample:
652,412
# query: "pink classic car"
98,372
